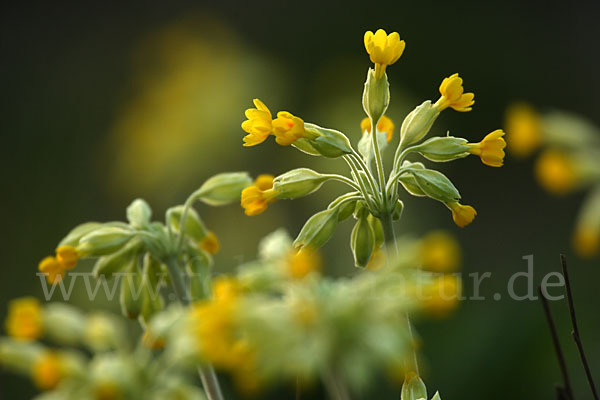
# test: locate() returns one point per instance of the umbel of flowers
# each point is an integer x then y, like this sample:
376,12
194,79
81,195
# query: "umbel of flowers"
374,198
568,160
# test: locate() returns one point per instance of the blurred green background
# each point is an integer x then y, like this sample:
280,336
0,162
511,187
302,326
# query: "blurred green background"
103,103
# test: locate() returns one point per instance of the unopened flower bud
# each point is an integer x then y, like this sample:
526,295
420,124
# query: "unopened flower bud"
297,183
318,229
105,240
223,188
418,123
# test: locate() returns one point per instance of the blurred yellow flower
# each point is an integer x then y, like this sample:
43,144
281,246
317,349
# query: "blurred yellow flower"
210,243
47,371
453,95
490,149
523,129
152,341
461,214
226,288
439,252
256,198
384,125
442,295
67,256
24,320
303,262
555,172
287,128
377,260
383,49
258,125
586,241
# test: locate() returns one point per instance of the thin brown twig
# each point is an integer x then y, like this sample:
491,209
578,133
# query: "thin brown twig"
575,332
566,392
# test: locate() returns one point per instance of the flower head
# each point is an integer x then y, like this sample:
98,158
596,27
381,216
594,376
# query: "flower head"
586,241
210,243
287,128
383,49
453,95
490,149
461,214
67,256
439,252
302,262
258,125
47,370
256,198
54,268
384,125
524,130
555,172
24,320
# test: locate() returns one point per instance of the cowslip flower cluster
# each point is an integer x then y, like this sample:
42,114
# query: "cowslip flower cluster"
568,146
372,192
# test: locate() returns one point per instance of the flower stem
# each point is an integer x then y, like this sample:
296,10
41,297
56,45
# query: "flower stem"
207,374
390,241
335,387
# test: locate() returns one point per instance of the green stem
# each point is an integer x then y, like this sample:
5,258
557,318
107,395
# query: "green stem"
207,373
378,161
335,387
341,178
364,191
390,240
361,163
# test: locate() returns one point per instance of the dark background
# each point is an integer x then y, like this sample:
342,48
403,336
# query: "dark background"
105,102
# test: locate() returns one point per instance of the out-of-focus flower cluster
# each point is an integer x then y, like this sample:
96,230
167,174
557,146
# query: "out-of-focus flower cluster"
568,160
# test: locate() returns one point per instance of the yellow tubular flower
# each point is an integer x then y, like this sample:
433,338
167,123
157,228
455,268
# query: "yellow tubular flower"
439,252
524,130
287,128
256,198
67,256
586,241
462,215
24,320
453,95
303,262
384,125
210,243
47,371
258,125
383,49
443,295
555,172
54,268
490,149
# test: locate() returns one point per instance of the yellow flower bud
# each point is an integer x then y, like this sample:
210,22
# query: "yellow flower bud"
524,130
439,252
462,215
210,243
384,125
258,125
47,371
256,198
303,262
52,267
586,241
556,172
442,295
383,49
490,149
24,320
453,95
67,256
287,128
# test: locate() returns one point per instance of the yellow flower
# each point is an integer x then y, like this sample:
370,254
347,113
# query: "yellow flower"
384,125
67,256
524,130
47,371
453,95
256,198
210,243
377,260
24,320
226,288
439,252
462,215
302,262
555,172
287,128
54,268
490,149
383,49
586,241
258,125
442,295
